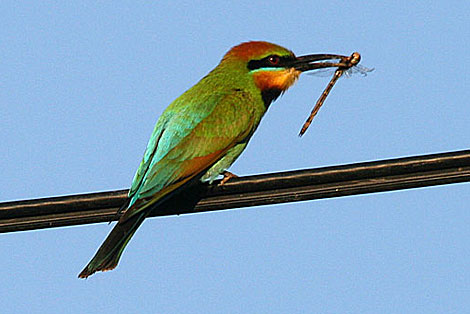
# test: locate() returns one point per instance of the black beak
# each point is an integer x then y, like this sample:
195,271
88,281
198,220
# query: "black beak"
318,61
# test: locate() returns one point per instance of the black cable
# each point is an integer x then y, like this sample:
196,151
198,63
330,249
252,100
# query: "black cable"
273,188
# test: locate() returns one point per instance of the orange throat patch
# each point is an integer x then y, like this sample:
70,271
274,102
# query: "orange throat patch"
277,79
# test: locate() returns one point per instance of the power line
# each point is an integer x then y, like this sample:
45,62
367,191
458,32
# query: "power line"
272,188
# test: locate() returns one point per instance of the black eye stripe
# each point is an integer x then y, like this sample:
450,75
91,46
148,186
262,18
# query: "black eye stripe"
266,62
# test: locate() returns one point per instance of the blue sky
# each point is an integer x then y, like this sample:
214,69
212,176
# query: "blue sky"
82,85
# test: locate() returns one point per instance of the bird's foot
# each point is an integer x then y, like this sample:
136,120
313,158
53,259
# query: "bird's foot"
227,176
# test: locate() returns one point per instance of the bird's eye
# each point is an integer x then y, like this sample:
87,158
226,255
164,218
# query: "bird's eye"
274,60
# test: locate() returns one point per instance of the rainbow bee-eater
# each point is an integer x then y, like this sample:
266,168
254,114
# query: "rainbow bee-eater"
203,132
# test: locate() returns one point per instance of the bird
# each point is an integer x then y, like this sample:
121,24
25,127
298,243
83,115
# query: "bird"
203,131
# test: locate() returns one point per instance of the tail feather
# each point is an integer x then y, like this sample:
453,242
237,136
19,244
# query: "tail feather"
107,256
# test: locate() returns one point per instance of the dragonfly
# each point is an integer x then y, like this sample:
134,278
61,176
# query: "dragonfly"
346,66
357,69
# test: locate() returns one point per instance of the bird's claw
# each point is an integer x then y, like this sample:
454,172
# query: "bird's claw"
227,176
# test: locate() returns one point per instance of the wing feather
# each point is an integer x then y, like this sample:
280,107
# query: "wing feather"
184,145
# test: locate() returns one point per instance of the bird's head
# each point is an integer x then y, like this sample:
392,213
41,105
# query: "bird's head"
273,68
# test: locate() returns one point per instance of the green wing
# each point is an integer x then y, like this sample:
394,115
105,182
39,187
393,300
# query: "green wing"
188,139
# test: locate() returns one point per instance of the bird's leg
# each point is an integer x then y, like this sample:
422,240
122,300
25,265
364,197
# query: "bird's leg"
227,176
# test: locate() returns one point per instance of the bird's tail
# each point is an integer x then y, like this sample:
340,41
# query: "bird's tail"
107,256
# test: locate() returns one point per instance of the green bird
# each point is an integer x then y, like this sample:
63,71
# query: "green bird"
203,132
